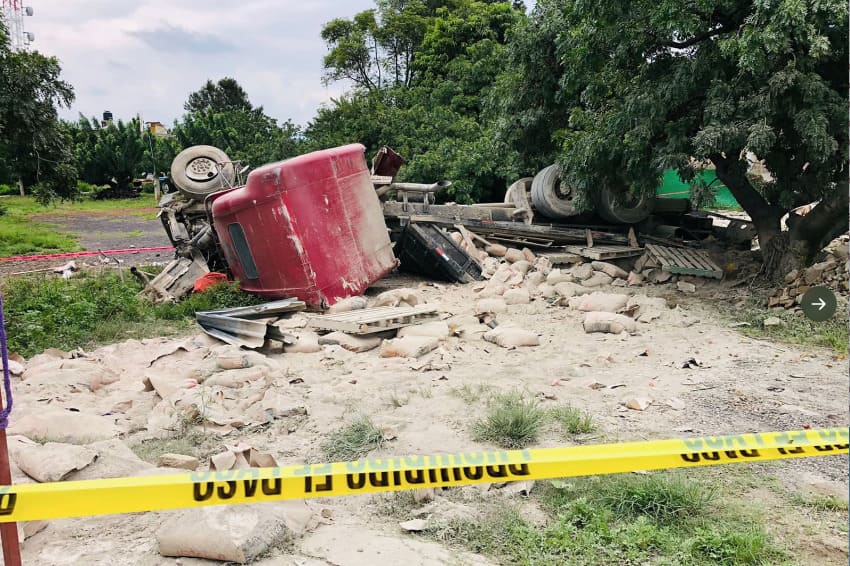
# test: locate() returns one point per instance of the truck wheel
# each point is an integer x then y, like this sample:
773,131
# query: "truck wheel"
200,170
550,196
623,208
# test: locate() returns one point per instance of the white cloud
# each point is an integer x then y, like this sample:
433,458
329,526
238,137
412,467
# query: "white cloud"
146,56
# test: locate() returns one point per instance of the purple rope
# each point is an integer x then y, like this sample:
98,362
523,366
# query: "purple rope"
7,383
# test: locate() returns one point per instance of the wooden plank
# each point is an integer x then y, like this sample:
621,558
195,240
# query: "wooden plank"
685,261
602,252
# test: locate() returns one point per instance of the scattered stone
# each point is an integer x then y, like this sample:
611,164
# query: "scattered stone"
496,250
397,297
305,343
568,290
180,461
491,305
582,271
598,279
53,461
546,291
543,265
232,362
233,533
63,426
557,276
773,322
435,329
608,322
513,255
15,368
634,279
529,255
512,337
609,269
535,278
348,304
413,525
607,302
686,287
408,347
351,343
522,266
638,403
517,297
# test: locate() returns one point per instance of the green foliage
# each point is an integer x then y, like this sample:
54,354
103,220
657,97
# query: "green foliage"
572,419
9,190
107,155
223,96
422,90
616,520
90,308
511,422
33,146
353,441
617,94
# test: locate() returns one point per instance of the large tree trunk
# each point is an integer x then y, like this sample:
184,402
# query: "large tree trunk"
785,251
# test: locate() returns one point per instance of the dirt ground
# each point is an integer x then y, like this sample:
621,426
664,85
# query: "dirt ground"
430,404
103,230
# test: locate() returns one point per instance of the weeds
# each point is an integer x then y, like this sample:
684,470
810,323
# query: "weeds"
92,308
353,441
821,502
660,519
572,420
511,422
797,329
469,393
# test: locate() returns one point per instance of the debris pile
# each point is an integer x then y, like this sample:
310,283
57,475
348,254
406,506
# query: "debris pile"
831,273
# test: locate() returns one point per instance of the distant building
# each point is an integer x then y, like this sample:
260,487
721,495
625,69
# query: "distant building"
157,129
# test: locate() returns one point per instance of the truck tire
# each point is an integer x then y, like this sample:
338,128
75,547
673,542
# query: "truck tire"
621,208
200,170
550,196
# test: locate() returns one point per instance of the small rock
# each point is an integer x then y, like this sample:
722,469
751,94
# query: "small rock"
348,304
773,322
517,297
413,525
15,368
514,255
491,305
686,287
598,279
638,404
496,250
181,461
609,269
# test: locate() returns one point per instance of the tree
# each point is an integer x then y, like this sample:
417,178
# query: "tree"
222,96
110,155
34,148
619,92
437,61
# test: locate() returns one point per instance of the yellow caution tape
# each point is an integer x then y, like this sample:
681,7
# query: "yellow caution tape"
128,495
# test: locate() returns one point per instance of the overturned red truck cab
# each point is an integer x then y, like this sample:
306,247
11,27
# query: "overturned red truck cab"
310,227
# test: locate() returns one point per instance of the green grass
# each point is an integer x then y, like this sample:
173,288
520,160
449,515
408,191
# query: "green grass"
21,234
352,441
572,420
91,308
664,519
511,422
798,329
821,502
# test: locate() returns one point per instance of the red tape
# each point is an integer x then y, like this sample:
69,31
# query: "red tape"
88,253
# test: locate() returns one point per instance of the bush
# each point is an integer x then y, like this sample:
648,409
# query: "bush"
9,190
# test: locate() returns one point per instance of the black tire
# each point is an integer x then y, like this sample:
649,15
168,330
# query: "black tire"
200,170
550,196
618,209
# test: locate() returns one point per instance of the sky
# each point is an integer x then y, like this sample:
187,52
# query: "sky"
146,56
